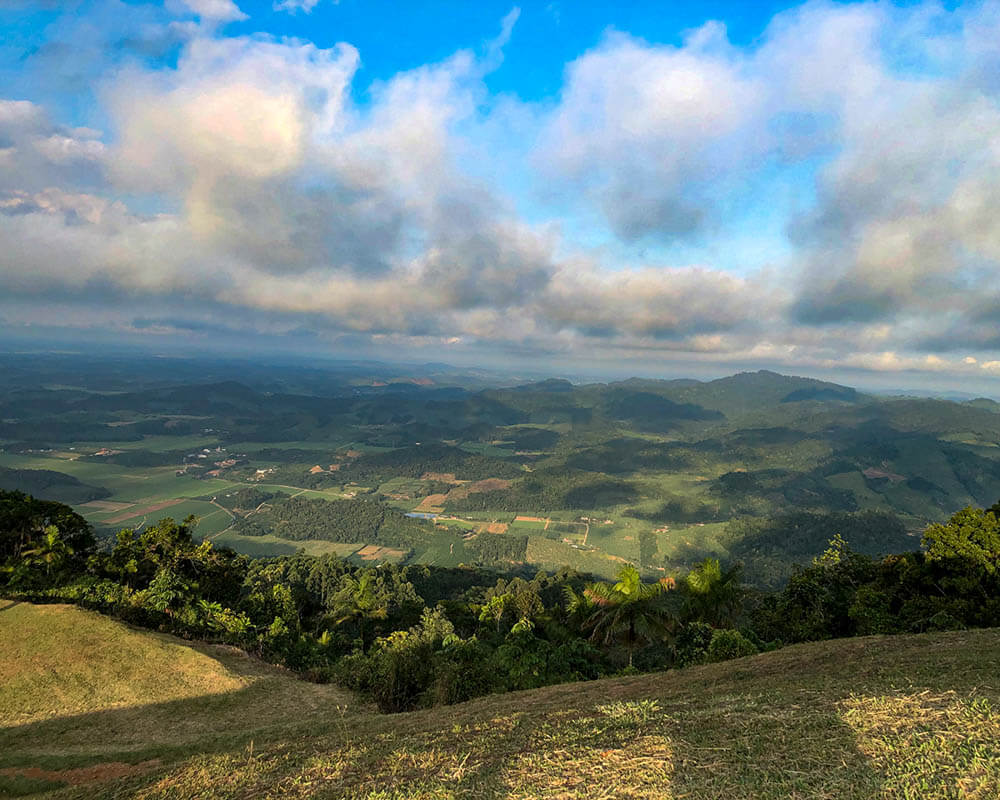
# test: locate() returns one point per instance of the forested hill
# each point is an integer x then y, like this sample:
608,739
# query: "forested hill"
659,474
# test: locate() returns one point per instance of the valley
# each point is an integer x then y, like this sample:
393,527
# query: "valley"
658,474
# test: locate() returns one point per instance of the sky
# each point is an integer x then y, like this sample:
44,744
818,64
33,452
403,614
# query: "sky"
657,189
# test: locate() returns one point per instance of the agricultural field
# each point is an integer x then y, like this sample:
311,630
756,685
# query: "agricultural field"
266,546
553,555
652,473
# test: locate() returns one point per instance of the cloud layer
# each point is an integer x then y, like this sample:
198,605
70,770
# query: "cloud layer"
252,181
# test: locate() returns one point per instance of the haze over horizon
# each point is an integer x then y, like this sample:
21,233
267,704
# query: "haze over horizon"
811,189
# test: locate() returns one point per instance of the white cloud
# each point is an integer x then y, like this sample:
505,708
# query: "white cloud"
294,6
247,181
216,10
653,133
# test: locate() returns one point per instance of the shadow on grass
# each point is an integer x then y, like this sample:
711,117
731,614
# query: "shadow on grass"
571,746
6,605
137,733
793,723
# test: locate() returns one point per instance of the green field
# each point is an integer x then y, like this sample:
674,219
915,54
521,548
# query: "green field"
443,552
265,546
553,555
527,526
877,717
684,543
157,444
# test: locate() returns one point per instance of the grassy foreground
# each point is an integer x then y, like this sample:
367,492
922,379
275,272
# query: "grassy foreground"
894,717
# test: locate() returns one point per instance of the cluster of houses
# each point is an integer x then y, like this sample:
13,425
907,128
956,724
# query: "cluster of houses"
192,462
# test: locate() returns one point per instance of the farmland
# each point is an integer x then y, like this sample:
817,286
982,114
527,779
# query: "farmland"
644,472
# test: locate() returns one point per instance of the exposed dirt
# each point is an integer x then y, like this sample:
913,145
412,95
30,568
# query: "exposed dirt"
487,485
432,503
147,510
372,552
444,477
109,771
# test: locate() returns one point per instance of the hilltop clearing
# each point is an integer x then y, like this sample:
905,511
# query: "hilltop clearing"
80,692
907,716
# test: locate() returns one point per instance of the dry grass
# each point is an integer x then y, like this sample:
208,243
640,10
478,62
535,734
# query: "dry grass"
59,660
893,717
432,504
84,698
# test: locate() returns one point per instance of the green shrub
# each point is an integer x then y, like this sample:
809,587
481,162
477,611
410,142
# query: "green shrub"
691,645
727,643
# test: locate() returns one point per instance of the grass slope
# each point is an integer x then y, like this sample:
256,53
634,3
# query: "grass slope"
58,660
83,698
901,717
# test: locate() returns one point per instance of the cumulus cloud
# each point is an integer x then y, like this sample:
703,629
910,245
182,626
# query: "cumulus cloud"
36,153
294,6
900,226
244,179
216,10
653,133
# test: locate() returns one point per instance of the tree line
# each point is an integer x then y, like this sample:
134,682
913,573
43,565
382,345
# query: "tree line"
417,636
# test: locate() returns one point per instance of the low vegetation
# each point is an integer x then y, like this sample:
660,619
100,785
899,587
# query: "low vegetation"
911,716
410,637
752,518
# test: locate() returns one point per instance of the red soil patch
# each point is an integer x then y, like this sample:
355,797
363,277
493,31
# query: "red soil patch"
520,518
444,477
432,503
147,510
497,527
109,771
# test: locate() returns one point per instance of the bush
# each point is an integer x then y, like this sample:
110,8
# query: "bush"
727,643
691,645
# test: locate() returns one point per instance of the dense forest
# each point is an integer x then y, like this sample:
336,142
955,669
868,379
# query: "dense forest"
357,520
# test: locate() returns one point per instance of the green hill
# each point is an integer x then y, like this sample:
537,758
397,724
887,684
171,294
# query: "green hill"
47,484
907,717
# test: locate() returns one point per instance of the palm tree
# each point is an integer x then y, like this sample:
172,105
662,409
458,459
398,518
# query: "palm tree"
359,600
630,611
713,595
51,550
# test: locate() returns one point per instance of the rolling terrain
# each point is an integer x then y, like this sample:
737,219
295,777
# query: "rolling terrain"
659,474
908,716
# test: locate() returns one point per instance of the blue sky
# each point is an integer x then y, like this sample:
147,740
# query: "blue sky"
661,188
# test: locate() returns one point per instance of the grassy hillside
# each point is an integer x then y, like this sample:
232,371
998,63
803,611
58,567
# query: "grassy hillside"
58,660
907,717
83,697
